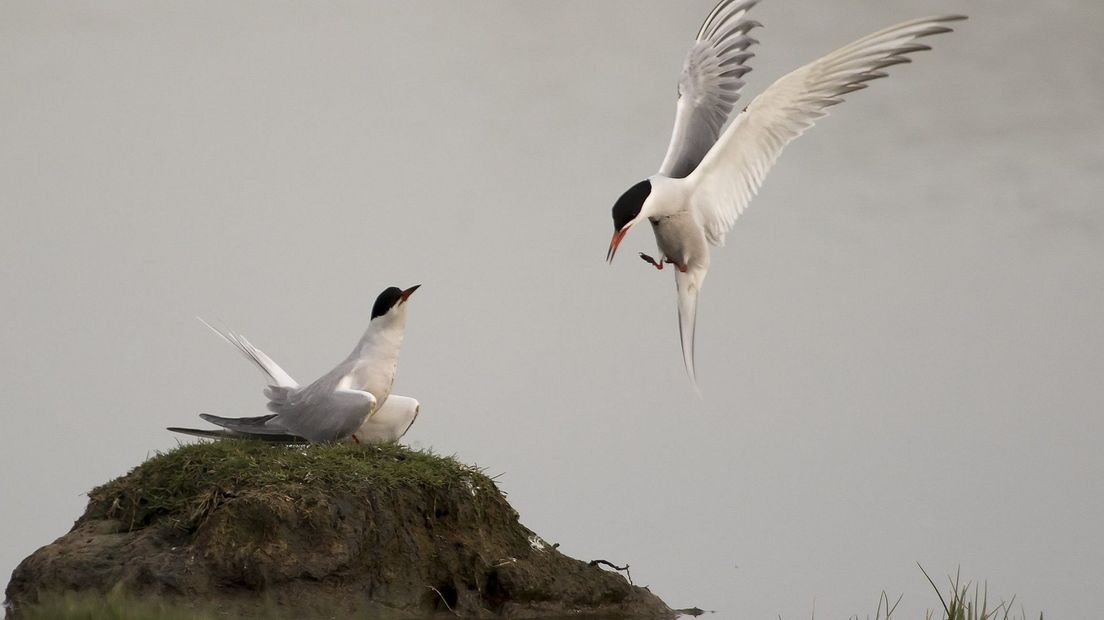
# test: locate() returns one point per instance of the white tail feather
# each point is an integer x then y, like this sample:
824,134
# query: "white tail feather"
689,285
277,377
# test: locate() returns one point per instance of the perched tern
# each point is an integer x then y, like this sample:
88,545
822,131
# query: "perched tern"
387,425
708,177
340,403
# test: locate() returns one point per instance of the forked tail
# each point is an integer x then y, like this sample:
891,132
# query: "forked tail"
688,284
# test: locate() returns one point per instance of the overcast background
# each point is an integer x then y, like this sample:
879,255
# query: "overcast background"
901,348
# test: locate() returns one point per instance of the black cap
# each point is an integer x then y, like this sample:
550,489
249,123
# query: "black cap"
629,204
386,300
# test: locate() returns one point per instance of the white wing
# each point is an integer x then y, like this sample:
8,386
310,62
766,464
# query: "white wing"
709,85
734,169
390,421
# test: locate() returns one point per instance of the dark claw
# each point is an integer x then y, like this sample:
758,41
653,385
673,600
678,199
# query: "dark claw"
650,260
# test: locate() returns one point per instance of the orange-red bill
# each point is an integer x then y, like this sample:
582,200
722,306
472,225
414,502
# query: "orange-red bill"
616,241
408,292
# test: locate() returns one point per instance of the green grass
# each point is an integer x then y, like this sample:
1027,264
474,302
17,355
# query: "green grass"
962,601
960,604
185,484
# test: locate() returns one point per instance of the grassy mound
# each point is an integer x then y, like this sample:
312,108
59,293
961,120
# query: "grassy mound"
255,529
183,486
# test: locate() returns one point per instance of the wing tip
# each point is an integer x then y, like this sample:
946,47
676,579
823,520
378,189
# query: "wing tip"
708,28
935,24
200,433
939,19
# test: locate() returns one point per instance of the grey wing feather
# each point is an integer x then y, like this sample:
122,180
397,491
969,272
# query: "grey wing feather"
284,400
709,85
330,418
229,434
259,425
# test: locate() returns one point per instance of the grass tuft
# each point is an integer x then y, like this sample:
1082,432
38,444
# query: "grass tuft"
969,601
184,485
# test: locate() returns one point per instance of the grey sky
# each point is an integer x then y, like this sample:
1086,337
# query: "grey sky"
901,347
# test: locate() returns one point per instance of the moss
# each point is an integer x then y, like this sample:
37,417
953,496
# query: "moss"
183,486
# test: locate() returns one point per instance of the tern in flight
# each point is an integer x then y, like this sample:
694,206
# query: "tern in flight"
709,176
340,403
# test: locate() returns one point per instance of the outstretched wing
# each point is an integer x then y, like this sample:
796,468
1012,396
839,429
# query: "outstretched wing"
709,85
730,175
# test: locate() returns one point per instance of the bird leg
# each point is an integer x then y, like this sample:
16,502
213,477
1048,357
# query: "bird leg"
652,261
357,440
659,264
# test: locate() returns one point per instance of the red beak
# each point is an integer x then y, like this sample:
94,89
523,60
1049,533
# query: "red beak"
616,241
407,293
